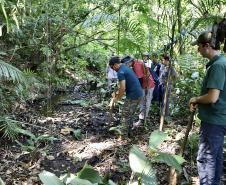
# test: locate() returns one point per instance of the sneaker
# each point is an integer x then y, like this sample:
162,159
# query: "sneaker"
138,123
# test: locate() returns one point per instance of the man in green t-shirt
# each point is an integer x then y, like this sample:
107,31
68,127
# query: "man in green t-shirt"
212,112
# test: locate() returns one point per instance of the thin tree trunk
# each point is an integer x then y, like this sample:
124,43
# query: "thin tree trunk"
119,22
181,48
163,110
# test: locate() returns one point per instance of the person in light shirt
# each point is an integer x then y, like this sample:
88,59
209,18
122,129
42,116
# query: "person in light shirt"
111,77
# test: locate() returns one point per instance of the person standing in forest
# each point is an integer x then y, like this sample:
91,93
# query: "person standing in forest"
155,71
211,110
147,83
129,84
166,70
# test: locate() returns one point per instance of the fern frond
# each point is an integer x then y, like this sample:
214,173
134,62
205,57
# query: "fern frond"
9,127
10,72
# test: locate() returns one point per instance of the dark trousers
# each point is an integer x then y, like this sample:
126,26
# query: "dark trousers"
210,153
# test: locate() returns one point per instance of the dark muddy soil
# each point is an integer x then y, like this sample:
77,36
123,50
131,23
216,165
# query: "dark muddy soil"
94,144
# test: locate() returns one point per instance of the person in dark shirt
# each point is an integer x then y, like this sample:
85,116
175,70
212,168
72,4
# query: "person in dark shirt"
211,111
129,84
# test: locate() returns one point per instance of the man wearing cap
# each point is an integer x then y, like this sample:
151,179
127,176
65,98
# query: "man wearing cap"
147,84
129,83
212,112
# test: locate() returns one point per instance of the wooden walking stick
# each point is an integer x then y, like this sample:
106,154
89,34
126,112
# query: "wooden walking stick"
174,177
189,127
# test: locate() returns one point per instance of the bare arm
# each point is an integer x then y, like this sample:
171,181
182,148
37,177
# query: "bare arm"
121,90
119,94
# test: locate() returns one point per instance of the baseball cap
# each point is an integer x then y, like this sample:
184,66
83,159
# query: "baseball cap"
204,37
127,59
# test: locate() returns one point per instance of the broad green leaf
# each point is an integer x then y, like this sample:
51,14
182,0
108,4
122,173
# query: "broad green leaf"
1,182
170,160
156,138
179,159
89,174
77,181
49,178
140,165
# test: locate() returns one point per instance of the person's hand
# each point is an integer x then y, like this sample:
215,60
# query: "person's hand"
113,94
193,104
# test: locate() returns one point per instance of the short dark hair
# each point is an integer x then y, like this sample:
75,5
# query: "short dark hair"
114,60
166,57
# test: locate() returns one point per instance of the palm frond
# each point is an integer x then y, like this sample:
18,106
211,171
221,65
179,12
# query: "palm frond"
10,72
205,21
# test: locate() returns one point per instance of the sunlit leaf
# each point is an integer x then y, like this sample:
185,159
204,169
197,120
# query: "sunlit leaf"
156,138
77,181
171,160
49,178
89,174
141,165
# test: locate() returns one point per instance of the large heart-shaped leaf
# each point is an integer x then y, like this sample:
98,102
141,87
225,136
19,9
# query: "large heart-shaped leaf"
141,165
50,179
174,161
89,174
156,138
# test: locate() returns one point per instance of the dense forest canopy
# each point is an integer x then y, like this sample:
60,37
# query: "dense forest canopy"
57,42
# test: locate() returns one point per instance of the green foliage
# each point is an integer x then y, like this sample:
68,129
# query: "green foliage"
187,85
49,178
156,138
174,161
9,127
87,176
10,72
34,142
141,166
